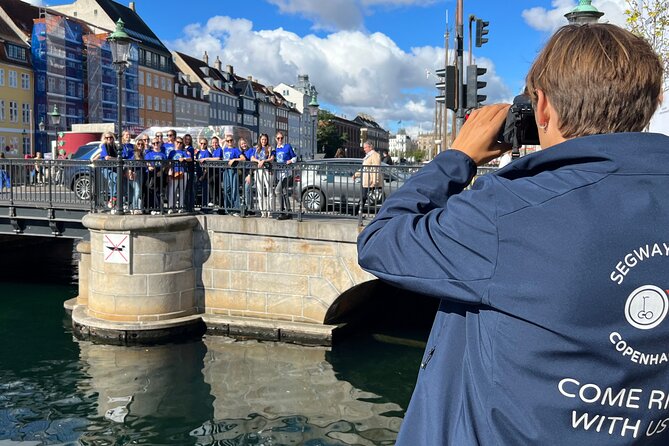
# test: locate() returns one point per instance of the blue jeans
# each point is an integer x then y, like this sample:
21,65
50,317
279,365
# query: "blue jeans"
4,179
111,176
230,189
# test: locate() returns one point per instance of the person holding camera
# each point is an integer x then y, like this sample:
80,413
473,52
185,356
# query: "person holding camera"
552,327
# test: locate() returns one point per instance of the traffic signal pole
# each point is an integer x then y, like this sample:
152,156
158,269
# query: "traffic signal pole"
459,38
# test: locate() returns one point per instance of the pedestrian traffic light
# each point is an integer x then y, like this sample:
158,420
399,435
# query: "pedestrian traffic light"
474,85
481,30
449,85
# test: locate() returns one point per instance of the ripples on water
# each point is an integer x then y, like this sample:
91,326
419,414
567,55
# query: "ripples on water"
56,390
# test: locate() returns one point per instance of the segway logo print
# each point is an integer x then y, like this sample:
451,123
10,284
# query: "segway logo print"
117,249
646,307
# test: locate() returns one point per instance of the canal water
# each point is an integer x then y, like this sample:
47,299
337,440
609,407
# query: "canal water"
57,390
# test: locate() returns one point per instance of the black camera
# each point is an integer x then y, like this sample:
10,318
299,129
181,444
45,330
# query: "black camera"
520,128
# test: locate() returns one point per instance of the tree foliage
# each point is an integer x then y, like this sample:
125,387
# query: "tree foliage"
327,136
650,20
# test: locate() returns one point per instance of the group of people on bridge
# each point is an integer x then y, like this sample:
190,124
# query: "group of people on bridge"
184,172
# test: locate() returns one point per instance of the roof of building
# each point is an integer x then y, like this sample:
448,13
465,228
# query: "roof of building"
22,14
199,67
134,25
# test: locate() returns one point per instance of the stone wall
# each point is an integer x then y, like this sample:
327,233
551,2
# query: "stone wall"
248,277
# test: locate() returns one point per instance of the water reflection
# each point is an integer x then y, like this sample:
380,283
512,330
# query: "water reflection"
56,390
285,394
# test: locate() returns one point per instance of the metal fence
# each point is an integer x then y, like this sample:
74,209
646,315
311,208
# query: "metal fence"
315,188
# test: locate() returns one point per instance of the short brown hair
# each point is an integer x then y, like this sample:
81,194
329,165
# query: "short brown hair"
599,78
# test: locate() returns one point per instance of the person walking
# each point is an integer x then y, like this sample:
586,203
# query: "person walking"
370,174
552,326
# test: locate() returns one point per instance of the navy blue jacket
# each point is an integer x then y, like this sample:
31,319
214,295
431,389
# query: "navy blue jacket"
553,276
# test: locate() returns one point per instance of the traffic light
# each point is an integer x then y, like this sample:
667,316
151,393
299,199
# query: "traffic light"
481,30
474,85
449,85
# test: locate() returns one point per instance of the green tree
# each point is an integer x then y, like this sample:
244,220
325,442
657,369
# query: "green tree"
327,136
650,20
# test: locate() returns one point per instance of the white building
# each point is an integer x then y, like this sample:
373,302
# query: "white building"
399,144
301,95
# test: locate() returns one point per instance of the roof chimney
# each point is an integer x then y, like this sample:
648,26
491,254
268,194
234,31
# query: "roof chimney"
131,5
229,69
205,58
218,65
250,78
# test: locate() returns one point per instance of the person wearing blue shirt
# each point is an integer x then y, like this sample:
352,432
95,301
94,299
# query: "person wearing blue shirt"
155,176
191,179
551,273
283,155
232,155
135,174
109,151
170,144
5,180
177,176
247,174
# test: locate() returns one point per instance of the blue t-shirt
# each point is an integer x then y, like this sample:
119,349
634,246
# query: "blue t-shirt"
284,153
227,154
179,155
167,148
249,153
108,150
127,151
155,156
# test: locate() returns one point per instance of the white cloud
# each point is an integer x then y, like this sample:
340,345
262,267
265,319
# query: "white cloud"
35,2
336,15
549,20
353,71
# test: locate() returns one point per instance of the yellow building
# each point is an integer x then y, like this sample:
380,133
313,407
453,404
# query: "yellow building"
16,94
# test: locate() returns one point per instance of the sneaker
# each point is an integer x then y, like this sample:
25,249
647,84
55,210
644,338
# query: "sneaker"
235,214
170,211
137,212
110,204
155,212
211,205
284,217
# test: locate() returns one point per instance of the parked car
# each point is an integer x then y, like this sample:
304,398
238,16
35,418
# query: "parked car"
328,183
79,176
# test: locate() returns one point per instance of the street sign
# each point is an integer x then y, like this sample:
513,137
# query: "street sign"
116,248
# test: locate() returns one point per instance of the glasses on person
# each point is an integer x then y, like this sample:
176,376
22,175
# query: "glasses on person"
159,135
229,140
203,143
171,134
180,142
156,142
279,137
109,137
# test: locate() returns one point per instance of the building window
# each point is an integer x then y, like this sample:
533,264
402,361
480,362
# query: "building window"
149,102
155,81
26,145
16,52
2,109
163,105
156,103
163,84
148,79
141,101
169,84
141,78
2,77
13,111
2,142
25,113
25,81
13,79
169,106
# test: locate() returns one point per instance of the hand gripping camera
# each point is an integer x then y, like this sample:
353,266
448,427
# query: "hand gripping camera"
520,127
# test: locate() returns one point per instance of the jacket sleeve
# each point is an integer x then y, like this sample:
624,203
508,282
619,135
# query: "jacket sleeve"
433,238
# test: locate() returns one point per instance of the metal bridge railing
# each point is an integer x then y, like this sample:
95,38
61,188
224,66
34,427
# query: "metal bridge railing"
332,188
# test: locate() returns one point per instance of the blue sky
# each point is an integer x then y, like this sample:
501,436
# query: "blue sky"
366,56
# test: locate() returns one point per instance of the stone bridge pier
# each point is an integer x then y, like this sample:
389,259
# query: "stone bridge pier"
241,277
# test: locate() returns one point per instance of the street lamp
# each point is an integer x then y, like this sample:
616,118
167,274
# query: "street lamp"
54,120
119,41
313,111
583,13
24,134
